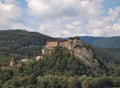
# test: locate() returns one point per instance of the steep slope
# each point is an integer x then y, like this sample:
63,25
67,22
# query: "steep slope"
75,47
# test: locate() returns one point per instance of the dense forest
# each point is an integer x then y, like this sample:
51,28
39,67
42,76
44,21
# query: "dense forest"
108,55
60,69
20,44
107,48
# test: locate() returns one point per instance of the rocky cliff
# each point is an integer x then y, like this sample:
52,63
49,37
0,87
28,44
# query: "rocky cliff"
75,46
85,54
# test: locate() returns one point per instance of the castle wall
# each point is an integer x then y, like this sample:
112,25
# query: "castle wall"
52,44
74,45
47,50
63,43
70,44
73,42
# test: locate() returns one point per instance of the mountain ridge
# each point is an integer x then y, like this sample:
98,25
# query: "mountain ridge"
57,68
22,43
105,42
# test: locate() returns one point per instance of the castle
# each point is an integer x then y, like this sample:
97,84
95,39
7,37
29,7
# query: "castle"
70,43
74,45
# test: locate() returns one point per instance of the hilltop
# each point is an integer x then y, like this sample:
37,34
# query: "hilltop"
75,46
21,43
70,64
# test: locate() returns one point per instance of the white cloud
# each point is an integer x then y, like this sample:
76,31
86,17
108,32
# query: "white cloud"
10,13
116,26
21,26
64,8
77,23
50,28
62,18
49,8
114,13
81,17
59,29
96,32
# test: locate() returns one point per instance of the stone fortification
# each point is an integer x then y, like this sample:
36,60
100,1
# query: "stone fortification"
74,45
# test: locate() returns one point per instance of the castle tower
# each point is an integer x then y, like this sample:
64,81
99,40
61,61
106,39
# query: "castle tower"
12,62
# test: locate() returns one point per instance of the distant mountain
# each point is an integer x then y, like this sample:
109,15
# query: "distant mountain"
106,42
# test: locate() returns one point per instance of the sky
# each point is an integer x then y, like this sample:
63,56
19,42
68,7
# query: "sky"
62,18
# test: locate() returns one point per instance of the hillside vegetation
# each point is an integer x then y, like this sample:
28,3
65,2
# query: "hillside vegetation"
59,65
108,55
58,69
20,44
108,48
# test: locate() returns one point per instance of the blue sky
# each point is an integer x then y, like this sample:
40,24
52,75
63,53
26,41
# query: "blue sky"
62,18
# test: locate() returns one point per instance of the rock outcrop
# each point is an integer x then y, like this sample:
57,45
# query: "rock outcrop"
75,46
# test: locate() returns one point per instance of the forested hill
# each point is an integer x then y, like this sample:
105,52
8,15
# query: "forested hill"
20,43
106,42
108,48
60,69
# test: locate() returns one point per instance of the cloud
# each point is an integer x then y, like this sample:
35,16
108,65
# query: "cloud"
10,13
113,14
64,8
7,1
50,28
73,16
59,29
21,26
61,18
107,25
11,16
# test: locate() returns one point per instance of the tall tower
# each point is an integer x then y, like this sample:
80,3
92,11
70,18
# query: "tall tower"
12,62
